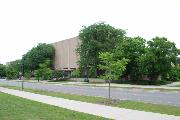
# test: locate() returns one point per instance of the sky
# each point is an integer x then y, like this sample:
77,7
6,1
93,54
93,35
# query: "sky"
25,23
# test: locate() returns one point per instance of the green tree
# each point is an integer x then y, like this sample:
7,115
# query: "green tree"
158,59
13,69
2,70
44,72
113,67
96,38
38,55
174,73
131,49
11,73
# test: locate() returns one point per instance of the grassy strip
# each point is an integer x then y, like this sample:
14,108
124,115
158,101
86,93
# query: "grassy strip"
164,109
160,89
16,108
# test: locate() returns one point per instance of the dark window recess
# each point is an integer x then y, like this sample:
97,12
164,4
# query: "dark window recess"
73,68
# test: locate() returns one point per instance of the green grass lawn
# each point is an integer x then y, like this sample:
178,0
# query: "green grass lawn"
16,108
164,109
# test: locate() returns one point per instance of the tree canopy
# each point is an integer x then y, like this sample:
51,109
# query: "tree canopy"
13,69
2,70
154,58
131,49
96,38
38,55
158,59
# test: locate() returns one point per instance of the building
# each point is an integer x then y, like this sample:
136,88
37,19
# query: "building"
66,57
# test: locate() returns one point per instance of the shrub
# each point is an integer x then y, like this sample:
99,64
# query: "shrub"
174,74
11,73
75,73
57,74
27,75
43,72
92,72
47,74
37,75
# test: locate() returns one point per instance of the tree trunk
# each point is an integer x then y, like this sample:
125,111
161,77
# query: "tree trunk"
109,89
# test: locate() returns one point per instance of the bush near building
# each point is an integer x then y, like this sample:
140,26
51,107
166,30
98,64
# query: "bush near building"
174,74
43,73
76,73
27,75
57,74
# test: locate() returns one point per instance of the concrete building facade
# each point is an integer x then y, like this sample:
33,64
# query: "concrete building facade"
66,57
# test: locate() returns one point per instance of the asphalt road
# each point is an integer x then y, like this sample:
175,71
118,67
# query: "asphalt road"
153,96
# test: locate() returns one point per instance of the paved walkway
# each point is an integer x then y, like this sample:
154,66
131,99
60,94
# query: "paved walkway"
94,109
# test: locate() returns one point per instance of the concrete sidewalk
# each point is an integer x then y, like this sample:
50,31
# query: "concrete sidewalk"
94,109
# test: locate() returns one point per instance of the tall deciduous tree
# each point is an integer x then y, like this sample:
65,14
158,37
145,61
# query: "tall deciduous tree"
131,49
96,38
159,57
38,55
